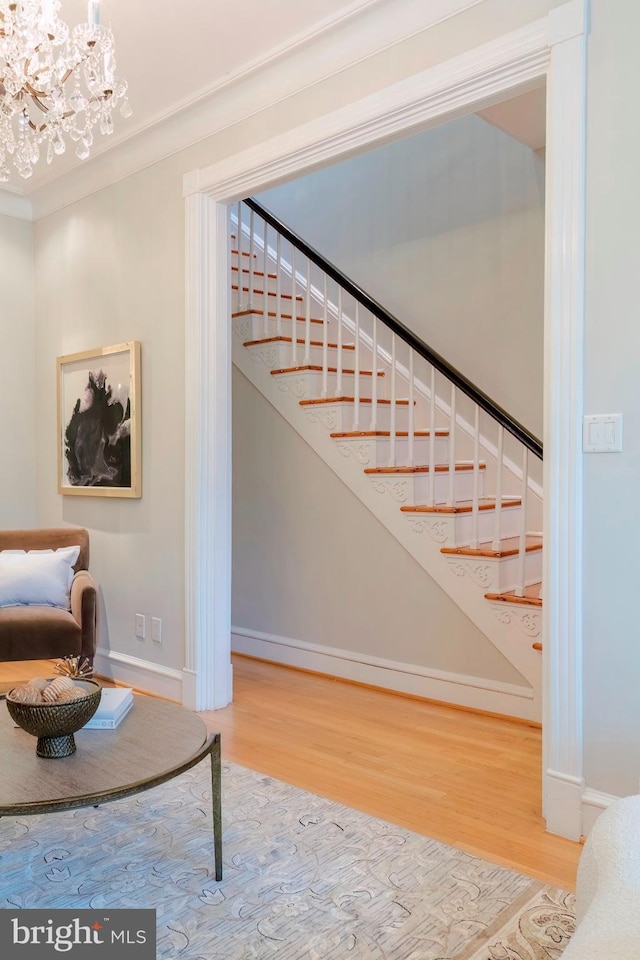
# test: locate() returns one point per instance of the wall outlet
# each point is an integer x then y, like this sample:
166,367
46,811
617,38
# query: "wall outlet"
156,629
141,626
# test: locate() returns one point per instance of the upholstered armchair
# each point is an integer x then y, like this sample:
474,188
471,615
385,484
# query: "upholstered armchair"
47,595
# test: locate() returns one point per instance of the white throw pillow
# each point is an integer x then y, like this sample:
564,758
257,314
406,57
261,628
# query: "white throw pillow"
37,577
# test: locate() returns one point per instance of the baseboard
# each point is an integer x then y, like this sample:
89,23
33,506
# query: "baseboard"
593,803
458,689
141,674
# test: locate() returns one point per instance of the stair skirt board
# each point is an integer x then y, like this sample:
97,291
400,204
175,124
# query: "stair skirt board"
458,689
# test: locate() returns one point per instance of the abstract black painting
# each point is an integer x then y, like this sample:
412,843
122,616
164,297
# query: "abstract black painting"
98,422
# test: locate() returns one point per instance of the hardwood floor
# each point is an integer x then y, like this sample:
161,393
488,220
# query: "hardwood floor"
466,779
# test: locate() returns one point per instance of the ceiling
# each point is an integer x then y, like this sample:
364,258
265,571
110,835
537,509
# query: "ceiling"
174,55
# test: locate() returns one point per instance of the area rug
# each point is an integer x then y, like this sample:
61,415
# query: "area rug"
304,878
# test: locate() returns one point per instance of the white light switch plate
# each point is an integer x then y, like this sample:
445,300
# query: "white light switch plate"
602,433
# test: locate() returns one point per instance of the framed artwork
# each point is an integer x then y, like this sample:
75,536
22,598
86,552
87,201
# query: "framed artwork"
99,422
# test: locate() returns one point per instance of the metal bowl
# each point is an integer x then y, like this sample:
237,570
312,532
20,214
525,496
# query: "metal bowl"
55,723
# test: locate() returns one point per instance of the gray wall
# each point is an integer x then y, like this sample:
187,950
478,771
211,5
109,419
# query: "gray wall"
446,230
110,269
612,385
17,380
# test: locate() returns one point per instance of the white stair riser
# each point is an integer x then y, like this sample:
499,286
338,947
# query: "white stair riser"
456,530
463,486
259,281
339,417
376,451
411,489
497,575
307,384
275,355
258,303
252,326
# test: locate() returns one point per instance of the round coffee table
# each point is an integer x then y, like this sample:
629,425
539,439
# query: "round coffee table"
155,742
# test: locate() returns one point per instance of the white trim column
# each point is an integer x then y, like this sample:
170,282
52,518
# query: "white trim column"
563,400
207,671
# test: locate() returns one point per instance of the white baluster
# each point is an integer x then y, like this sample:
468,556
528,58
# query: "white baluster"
452,448
294,321
432,440
411,410
279,285
239,246
374,378
252,244
356,371
339,360
497,517
265,281
392,414
307,317
325,343
522,545
475,506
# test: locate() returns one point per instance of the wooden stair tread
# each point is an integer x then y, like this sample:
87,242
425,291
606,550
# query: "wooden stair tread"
267,293
438,468
256,273
530,598
508,548
301,340
254,312
318,369
319,400
387,433
460,506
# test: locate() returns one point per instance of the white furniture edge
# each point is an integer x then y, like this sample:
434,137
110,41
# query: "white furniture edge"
553,47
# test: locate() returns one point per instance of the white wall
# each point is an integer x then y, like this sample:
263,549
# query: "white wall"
612,384
446,230
310,563
17,376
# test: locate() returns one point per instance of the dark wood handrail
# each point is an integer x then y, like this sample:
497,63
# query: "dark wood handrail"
485,402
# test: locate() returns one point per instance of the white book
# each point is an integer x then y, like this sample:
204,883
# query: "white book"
115,703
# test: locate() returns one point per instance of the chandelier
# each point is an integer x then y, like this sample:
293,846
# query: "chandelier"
56,84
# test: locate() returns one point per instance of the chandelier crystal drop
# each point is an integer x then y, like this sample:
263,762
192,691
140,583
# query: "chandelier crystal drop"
56,84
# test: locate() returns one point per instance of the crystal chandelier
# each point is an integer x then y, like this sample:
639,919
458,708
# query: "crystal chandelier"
56,84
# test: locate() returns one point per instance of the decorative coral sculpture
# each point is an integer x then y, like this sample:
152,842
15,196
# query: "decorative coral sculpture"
78,668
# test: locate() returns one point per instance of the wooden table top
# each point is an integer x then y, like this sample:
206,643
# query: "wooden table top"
155,741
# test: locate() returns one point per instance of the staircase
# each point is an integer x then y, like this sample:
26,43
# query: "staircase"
446,471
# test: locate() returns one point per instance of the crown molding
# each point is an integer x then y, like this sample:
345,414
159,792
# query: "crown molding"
450,87
361,32
13,204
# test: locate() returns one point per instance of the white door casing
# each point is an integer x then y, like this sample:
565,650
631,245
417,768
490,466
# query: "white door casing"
551,49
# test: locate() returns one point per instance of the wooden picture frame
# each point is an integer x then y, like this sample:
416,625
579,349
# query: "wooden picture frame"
99,422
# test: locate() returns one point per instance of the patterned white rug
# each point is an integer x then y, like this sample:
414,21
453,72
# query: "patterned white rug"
304,878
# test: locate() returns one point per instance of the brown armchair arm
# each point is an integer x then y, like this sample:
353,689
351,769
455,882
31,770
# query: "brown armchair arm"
83,609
